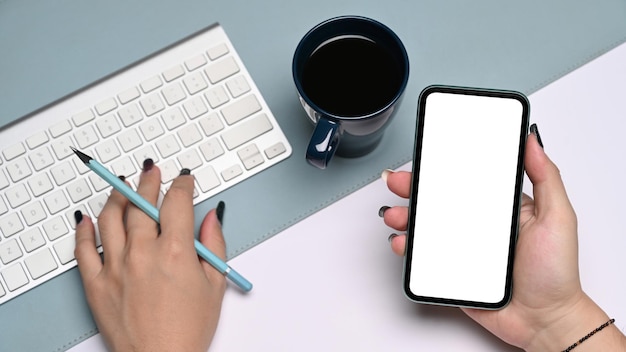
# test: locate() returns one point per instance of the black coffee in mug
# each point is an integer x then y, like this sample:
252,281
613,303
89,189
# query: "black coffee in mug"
350,73
352,76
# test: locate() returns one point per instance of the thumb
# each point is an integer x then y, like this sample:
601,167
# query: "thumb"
211,236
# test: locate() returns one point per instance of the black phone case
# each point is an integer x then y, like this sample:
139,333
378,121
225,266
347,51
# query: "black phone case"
517,198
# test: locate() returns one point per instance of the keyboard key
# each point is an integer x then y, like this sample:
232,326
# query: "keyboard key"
211,149
275,150
78,190
128,95
56,201
62,173
238,86
189,135
129,140
246,131
173,118
151,129
2,291
9,251
144,153
83,117
60,128
40,263
151,104
107,151
250,156
195,62
80,166
97,182
55,228
37,139
106,106
221,69
10,224
167,146
65,249
169,171
195,107
194,83
217,51
41,158
207,179
231,172
173,93
86,137
248,151
130,115
151,84
216,96
173,73
96,204
211,124
253,161
33,213
40,183
61,147
124,167
241,109
189,159
17,195
108,125
32,239
14,151
14,276
19,170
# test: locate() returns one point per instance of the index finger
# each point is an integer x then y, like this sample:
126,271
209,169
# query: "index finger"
398,182
548,188
176,214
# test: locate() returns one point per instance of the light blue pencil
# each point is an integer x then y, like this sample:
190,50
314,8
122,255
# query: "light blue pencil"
153,212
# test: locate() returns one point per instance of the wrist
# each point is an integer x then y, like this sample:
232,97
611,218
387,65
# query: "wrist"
582,318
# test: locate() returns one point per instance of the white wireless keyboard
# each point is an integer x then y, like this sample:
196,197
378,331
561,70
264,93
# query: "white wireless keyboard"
192,105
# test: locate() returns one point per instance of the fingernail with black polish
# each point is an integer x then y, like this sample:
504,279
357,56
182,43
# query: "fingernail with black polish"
122,177
534,130
391,237
148,164
219,211
185,172
78,216
382,210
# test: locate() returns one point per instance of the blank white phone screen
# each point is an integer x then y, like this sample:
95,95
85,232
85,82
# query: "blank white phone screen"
465,197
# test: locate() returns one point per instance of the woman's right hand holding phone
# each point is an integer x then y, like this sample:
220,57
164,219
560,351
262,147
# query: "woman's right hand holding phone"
548,311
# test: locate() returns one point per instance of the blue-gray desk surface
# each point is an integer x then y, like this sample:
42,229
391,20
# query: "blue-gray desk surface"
50,49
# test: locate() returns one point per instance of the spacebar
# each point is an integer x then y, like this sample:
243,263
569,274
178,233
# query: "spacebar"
246,131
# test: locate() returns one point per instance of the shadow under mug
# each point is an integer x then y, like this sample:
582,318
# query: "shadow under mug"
358,133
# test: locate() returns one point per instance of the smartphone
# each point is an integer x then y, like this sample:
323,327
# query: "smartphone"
465,197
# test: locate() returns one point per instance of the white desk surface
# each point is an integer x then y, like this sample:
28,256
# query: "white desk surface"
331,283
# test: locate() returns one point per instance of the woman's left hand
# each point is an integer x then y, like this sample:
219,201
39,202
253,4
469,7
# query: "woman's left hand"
152,292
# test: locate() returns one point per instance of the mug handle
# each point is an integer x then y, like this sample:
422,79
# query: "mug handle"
323,143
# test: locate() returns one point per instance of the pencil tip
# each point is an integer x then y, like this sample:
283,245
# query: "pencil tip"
83,157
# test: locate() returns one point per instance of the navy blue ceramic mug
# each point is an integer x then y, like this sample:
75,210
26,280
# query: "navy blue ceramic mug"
350,73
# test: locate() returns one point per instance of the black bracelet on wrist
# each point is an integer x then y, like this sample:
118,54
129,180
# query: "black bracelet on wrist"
611,321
